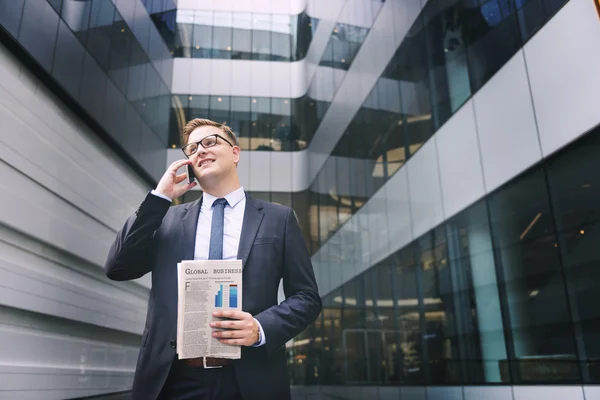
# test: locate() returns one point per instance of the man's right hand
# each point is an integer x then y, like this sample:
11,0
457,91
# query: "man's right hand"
169,183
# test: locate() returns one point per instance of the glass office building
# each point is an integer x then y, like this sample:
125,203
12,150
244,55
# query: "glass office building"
442,158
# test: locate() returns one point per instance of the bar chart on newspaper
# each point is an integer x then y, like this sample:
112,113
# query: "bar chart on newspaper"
227,296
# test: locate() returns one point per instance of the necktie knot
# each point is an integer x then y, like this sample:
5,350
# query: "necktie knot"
219,202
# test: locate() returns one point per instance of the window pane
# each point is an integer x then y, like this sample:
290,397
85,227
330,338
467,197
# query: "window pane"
446,50
56,4
120,52
222,35
532,282
68,60
281,124
261,36
410,68
475,296
185,32
91,94
441,348
10,15
241,121
302,29
178,119
304,121
199,107
99,32
203,34
219,109
492,38
574,177
409,352
281,38
242,36
261,124
76,14
38,31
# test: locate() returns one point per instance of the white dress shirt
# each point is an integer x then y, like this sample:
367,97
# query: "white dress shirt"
232,229
232,226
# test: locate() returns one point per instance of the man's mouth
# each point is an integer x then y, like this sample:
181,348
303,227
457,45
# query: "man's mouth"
205,162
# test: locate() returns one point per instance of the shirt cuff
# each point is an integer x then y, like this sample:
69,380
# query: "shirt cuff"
263,339
162,196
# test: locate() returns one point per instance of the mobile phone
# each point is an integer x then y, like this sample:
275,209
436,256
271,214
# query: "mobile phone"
190,174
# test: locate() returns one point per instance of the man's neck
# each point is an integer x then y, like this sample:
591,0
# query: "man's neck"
222,189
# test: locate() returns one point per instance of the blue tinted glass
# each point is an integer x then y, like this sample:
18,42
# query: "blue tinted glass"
68,60
76,14
11,12
261,36
99,32
222,35
91,94
56,4
38,31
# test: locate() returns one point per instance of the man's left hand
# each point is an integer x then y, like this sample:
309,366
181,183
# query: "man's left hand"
241,330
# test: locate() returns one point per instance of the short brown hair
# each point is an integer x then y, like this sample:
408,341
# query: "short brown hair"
198,122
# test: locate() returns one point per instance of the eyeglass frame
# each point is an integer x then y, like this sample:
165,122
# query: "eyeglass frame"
199,142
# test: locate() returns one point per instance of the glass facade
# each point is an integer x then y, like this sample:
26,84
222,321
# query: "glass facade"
344,43
235,35
269,124
449,53
112,69
503,292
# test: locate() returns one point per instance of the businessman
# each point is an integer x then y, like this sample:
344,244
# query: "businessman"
225,223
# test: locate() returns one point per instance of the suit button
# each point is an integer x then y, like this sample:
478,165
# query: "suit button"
173,344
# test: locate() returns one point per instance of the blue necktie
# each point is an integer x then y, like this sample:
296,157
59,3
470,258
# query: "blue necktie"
215,251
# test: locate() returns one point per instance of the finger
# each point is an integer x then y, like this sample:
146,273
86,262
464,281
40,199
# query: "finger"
180,178
230,334
235,324
175,165
235,314
238,342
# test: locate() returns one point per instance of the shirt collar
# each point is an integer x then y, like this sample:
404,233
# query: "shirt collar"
232,198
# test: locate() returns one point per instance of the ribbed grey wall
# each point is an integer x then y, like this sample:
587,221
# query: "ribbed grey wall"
65,330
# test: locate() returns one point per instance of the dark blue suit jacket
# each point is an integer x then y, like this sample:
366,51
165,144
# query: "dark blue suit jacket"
271,247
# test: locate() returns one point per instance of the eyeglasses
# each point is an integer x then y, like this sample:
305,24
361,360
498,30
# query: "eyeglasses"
209,141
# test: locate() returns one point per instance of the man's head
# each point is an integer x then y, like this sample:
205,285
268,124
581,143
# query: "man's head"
214,152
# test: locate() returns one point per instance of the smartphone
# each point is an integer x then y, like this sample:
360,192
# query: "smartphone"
190,174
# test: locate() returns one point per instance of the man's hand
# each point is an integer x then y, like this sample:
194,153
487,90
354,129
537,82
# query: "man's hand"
169,183
242,331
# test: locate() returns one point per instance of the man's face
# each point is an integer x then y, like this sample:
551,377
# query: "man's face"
214,162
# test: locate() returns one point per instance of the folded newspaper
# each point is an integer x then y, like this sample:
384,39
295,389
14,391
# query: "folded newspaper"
205,286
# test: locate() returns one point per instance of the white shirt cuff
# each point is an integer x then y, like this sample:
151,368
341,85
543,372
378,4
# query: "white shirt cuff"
263,339
162,196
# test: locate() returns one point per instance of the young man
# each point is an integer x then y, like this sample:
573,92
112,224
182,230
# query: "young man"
224,223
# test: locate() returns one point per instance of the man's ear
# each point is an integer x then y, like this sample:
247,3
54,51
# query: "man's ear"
236,154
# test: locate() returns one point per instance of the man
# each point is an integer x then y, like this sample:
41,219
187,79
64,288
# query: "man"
267,239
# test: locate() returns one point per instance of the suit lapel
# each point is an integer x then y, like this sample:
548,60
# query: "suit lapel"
253,216
189,224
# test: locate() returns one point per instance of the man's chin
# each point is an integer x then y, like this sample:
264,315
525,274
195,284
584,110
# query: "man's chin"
207,177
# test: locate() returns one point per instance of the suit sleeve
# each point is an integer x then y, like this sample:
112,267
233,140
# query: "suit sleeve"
303,303
129,256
